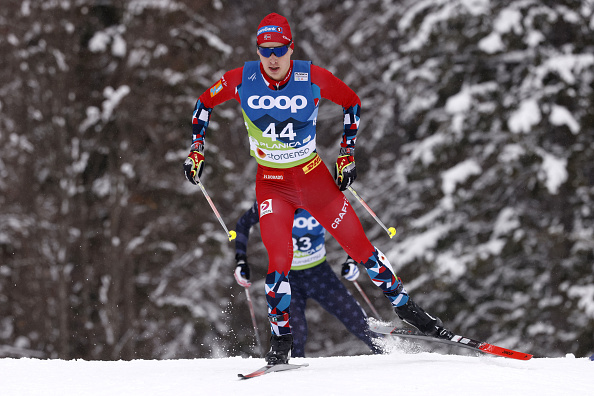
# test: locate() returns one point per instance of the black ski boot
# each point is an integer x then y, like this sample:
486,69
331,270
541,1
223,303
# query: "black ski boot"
412,314
280,346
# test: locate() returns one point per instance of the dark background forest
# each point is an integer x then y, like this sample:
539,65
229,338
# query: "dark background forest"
476,142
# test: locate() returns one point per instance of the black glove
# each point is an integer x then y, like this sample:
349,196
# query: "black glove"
242,270
194,163
344,171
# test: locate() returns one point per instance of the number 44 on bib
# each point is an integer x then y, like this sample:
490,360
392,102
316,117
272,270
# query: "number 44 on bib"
286,133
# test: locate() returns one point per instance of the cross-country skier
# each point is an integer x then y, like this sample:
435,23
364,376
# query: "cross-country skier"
311,277
279,100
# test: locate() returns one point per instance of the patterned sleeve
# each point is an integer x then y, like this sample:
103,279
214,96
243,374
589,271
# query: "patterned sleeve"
244,224
223,90
334,89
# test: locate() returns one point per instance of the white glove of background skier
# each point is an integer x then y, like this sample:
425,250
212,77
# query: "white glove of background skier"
242,271
350,270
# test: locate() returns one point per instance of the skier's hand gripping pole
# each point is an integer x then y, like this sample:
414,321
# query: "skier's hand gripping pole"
231,234
391,231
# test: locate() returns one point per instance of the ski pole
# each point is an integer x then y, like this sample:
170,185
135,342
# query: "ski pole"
249,300
391,231
231,234
366,299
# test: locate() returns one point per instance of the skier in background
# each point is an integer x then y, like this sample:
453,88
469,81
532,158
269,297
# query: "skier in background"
279,99
311,277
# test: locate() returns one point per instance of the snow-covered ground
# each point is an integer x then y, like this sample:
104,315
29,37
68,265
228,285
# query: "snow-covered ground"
397,373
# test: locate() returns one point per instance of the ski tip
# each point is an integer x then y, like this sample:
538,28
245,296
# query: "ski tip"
498,351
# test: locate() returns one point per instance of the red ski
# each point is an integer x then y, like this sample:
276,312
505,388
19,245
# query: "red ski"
499,351
269,368
455,340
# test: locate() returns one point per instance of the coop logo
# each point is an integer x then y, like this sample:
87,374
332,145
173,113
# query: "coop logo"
341,215
267,102
301,222
266,207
